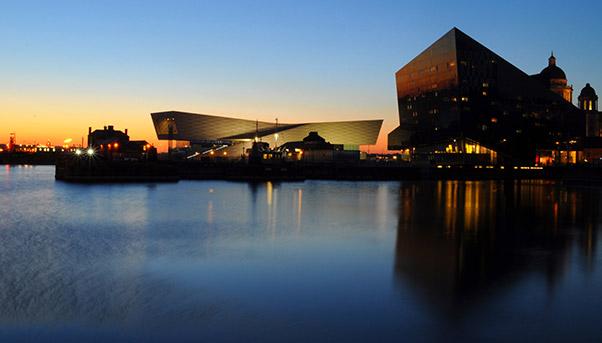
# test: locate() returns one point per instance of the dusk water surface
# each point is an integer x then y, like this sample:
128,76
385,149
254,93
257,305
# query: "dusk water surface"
312,261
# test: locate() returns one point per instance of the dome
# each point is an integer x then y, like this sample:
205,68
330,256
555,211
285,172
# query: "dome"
588,92
552,71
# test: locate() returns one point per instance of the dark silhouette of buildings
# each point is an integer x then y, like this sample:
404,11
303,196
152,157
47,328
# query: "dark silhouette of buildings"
554,78
116,144
458,90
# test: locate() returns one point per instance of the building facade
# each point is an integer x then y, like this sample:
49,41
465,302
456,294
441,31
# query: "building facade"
458,90
234,136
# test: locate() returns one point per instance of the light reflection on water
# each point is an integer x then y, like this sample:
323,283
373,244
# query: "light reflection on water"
312,261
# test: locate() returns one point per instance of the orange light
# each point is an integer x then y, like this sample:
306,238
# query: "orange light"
116,145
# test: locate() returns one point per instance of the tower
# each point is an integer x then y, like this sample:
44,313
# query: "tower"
588,103
12,142
588,100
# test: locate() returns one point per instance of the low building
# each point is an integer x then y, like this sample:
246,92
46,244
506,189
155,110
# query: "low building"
114,144
583,150
315,148
234,137
455,151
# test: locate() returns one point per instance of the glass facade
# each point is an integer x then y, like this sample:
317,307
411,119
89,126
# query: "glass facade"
457,88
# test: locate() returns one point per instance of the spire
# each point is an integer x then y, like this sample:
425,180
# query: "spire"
552,59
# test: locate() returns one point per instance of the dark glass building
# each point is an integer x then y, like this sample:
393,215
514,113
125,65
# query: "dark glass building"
458,96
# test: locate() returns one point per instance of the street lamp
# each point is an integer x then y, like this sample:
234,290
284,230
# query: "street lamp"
90,152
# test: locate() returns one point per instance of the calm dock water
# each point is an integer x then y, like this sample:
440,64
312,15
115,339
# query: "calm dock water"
298,262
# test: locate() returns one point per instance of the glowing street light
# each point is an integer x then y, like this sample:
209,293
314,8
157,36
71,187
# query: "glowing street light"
90,152
78,152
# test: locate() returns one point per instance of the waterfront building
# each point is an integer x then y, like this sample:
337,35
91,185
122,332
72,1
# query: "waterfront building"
314,148
232,137
116,144
458,95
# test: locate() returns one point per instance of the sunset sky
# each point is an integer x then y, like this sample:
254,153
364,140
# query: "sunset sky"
67,65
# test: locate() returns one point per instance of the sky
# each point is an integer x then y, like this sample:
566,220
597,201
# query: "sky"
68,65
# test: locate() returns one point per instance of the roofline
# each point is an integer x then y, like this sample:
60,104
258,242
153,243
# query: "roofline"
270,123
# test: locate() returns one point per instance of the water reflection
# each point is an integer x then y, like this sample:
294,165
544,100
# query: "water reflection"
305,262
481,237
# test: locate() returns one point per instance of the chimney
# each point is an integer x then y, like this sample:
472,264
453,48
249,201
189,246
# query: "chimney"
105,127
110,127
126,131
89,129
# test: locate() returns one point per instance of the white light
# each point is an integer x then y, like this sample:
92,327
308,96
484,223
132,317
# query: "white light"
78,152
90,152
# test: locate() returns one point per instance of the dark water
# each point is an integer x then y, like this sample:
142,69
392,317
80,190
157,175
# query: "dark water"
304,262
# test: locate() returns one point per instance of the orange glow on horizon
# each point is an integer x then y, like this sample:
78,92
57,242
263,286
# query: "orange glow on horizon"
52,117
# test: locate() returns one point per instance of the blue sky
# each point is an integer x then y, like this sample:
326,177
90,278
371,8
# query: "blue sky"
67,65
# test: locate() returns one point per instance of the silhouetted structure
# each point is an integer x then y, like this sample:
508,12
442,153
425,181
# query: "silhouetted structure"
554,78
588,102
314,148
116,144
457,89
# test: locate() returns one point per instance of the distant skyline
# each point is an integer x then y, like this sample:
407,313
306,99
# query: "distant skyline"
68,65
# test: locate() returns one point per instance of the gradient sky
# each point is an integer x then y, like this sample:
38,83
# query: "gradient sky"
67,65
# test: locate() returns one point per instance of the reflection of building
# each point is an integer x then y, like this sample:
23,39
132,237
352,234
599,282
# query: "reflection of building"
458,89
478,237
234,136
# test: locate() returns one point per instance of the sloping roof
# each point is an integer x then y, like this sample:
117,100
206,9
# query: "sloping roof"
204,127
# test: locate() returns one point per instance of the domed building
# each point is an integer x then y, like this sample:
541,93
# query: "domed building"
588,100
555,79
588,103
